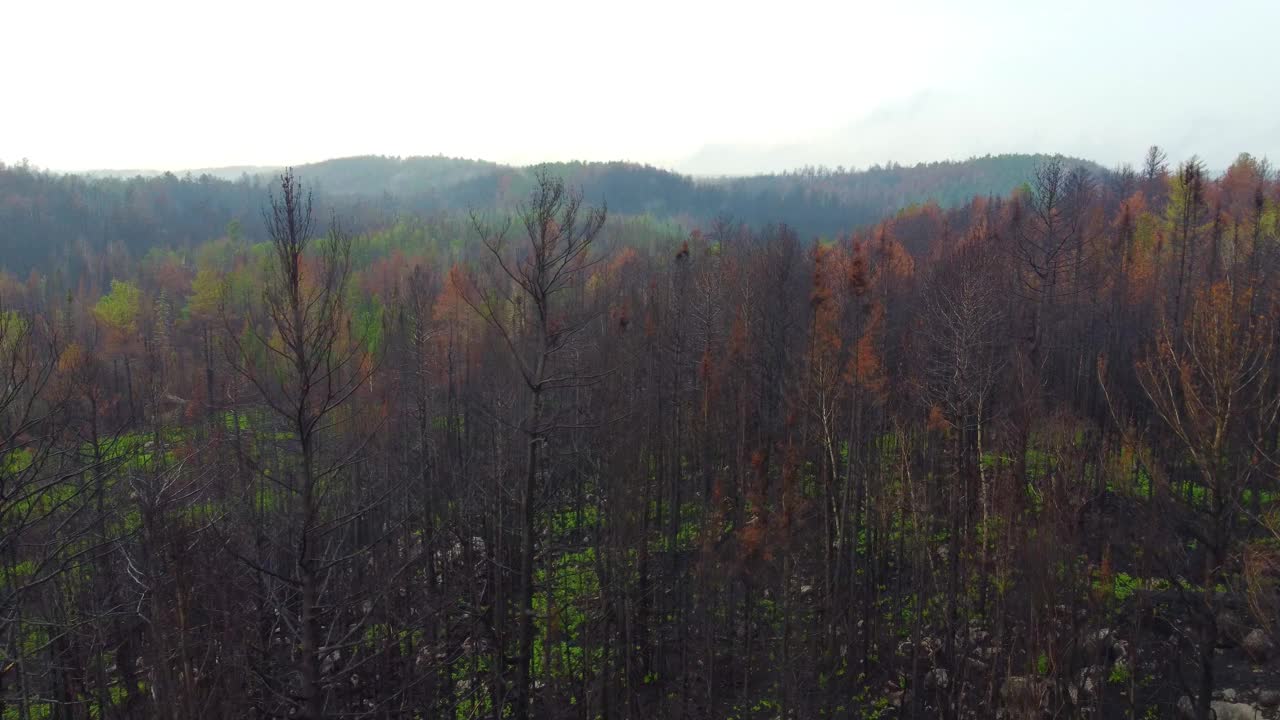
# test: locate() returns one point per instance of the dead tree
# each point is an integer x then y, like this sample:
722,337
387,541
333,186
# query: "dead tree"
305,365
525,307
1053,243
1208,385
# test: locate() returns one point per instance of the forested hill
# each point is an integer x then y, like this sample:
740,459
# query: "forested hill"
1018,458
45,217
635,188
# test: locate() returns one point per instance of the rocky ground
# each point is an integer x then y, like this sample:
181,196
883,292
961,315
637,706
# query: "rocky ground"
1144,672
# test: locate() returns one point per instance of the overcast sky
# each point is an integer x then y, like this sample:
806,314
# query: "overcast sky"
703,87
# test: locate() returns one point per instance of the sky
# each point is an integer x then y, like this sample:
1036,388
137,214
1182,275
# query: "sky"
703,87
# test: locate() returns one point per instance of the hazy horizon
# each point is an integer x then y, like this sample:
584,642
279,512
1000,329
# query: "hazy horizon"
704,89
234,170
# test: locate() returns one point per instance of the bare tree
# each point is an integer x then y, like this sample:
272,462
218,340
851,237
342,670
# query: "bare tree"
1208,386
1155,165
525,307
961,330
1053,242
1187,210
305,364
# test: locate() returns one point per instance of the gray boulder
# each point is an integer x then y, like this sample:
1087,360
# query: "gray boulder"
1024,697
1223,710
1097,644
1257,646
1231,631
1219,710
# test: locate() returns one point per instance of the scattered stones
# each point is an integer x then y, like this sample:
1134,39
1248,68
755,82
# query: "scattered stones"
1094,676
1120,650
931,645
895,698
1269,698
986,654
330,661
1098,643
978,636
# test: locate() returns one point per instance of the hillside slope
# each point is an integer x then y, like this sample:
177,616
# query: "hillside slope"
44,216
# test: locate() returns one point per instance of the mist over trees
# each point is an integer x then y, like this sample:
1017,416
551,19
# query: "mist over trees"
450,439
52,221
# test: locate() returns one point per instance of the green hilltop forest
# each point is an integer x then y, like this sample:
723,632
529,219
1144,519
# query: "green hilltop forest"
438,438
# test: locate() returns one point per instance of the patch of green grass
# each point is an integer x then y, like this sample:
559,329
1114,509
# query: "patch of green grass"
1034,498
44,500
1123,586
35,711
379,635
452,423
564,523
560,610
1264,497
15,462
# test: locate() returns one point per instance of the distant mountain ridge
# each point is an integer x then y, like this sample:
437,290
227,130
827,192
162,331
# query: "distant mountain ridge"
44,215
816,200
946,181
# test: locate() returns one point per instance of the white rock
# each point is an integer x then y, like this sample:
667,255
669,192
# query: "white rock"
1223,710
